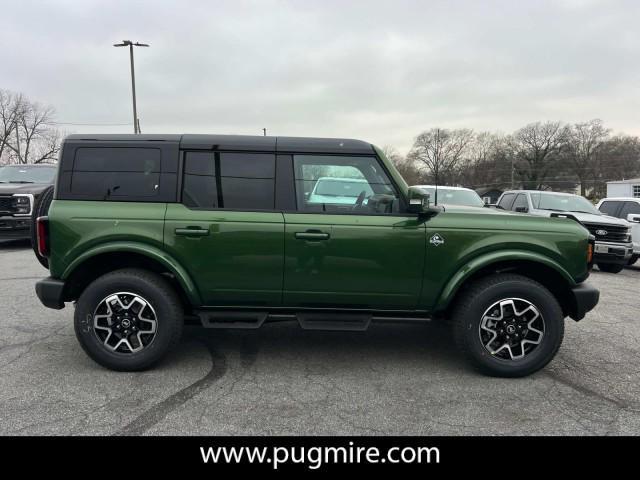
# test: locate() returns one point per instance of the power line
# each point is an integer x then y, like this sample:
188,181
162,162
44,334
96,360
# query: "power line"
90,124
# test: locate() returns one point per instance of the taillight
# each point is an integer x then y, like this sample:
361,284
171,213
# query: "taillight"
42,235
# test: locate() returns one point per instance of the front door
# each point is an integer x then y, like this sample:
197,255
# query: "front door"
348,244
225,231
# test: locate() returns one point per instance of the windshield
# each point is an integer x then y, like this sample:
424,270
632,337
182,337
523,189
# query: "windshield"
455,197
342,188
563,203
26,174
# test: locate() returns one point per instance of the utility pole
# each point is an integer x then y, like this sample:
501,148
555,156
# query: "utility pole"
130,44
264,130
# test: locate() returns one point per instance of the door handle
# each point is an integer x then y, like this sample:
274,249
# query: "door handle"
313,236
192,232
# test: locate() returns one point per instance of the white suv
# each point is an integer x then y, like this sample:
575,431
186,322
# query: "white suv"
628,209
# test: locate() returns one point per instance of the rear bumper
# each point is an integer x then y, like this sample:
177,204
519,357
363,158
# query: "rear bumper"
584,298
50,291
618,253
15,227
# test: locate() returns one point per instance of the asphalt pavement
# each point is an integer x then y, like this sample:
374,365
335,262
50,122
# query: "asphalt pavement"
392,379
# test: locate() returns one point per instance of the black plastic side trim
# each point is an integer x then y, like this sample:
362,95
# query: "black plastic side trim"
50,292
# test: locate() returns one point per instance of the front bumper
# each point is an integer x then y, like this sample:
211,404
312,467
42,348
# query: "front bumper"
584,298
14,228
50,291
609,252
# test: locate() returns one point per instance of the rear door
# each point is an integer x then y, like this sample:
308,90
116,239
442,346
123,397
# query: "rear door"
226,231
348,244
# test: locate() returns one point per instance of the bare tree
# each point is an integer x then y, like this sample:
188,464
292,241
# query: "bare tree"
584,140
11,110
440,151
34,140
536,148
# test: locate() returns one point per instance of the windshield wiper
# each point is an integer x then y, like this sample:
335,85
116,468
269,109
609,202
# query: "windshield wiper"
552,209
18,181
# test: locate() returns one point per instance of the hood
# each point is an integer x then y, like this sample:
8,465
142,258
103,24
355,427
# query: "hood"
593,218
33,188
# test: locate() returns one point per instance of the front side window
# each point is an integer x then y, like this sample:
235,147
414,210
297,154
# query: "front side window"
242,181
630,208
506,201
521,205
341,184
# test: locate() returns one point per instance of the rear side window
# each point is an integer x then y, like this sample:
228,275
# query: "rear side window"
506,201
609,208
116,173
242,181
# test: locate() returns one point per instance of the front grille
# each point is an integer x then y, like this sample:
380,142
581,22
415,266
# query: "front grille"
608,233
6,205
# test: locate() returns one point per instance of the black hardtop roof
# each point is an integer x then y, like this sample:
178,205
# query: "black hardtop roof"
238,142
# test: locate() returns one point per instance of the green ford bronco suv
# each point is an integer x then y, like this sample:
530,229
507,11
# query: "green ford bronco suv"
147,231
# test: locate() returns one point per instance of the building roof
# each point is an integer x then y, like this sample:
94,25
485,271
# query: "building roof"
630,180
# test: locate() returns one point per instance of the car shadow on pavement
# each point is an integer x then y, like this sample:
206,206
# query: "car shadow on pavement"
381,344
14,245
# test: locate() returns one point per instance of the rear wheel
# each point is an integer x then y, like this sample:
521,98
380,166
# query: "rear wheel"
508,325
40,209
128,320
610,267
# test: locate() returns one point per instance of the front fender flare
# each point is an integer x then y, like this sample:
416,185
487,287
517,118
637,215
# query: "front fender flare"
154,253
477,263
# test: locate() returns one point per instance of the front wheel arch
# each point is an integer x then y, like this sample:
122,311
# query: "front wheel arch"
555,280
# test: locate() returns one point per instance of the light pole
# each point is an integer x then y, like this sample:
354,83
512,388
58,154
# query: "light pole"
130,44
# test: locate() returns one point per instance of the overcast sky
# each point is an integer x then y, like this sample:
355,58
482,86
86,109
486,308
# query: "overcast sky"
382,71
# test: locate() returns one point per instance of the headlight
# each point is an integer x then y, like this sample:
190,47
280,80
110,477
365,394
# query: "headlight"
22,204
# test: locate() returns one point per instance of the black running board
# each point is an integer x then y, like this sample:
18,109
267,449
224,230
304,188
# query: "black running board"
227,319
308,320
357,322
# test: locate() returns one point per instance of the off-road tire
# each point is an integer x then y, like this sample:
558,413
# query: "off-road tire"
473,302
40,209
610,267
157,292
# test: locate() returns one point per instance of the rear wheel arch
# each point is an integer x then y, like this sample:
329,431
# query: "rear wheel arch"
94,264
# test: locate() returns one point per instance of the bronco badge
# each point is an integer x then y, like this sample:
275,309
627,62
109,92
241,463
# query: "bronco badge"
436,240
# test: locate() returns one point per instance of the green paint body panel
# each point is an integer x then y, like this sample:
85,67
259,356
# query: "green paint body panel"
241,258
367,261
239,261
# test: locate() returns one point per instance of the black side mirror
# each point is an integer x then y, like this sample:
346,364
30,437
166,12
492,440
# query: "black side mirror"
522,209
419,200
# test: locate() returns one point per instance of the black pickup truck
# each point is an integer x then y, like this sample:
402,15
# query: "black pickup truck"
20,187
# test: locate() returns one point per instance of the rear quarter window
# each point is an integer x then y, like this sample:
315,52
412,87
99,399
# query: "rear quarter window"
114,173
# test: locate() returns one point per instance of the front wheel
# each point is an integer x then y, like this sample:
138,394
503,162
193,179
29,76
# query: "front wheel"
508,325
610,267
128,320
633,259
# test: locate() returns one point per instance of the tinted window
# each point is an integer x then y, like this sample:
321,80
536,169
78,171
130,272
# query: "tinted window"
609,208
342,184
244,181
521,202
506,201
630,207
116,173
